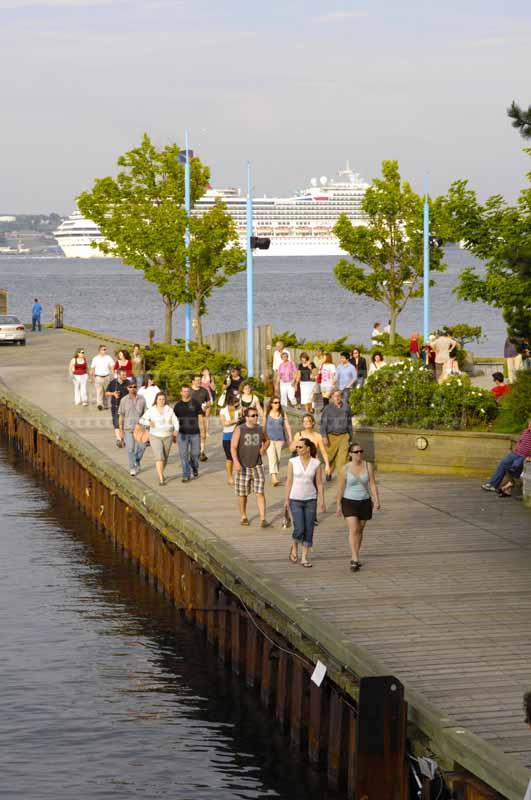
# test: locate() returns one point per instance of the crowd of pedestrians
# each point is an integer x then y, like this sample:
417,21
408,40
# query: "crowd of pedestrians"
142,418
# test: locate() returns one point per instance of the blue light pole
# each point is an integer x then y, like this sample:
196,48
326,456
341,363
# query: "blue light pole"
187,208
250,321
426,262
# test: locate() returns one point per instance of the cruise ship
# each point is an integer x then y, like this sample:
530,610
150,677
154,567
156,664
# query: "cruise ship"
300,225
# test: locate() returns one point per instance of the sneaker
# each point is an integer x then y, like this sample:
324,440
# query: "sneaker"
264,523
195,474
488,487
132,472
85,404
185,480
203,457
100,408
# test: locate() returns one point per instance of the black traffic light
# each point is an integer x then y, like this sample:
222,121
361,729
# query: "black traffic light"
260,242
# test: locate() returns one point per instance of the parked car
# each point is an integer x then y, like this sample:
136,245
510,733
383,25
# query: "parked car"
12,329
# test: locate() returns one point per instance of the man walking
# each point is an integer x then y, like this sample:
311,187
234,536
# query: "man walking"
336,430
101,370
346,376
201,396
248,444
36,311
513,463
117,389
130,410
286,376
188,410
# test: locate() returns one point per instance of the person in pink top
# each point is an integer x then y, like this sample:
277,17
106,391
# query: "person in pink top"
287,372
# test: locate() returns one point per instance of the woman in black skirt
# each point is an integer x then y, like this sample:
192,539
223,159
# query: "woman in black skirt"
357,495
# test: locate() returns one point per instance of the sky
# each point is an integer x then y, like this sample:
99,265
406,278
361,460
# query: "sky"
295,86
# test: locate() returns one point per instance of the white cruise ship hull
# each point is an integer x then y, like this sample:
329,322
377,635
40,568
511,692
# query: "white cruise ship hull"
79,249
299,247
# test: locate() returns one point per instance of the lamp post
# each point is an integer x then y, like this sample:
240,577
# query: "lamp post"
426,284
187,208
250,309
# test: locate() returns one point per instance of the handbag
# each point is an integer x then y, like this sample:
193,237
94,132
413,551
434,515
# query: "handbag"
140,434
221,401
286,522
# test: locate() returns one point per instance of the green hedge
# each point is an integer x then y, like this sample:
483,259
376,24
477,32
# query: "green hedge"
515,406
406,394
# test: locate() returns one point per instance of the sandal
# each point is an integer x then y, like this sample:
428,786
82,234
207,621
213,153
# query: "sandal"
244,521
293,557
306,564
355,566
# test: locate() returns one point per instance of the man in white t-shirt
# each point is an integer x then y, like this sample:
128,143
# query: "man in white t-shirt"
101,372
443,345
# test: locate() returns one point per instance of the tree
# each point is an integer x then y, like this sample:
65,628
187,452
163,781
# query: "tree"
214,254
387,252
140,213
521,120
463,333
500,235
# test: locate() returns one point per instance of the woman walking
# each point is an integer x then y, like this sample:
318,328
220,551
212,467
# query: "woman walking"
138,365
278,432
207,383
306,375
149,390
357,495
250,400
229,416
327,375
163,429
377,362
79,371
360,364
123,361
309,432
304,487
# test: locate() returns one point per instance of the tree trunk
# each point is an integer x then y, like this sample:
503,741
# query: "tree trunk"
168,320
198,322
393,319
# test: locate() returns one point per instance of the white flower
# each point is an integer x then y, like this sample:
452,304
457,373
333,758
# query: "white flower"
482,410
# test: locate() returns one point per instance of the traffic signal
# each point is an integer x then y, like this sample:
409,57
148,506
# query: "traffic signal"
260,242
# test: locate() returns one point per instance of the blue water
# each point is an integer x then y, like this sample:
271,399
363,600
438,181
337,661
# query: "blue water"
297,294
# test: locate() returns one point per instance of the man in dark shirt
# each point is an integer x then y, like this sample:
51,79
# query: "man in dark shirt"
188,411
248,444
336,430
201,396
117,389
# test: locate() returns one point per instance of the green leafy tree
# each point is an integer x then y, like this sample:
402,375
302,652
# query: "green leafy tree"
387,252
214,254
500,235
521,120
463,333
140,213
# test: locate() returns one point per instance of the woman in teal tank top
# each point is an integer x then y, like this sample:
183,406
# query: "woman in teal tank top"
357,495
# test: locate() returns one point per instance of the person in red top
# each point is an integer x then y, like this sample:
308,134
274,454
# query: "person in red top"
513,463
123,361
414,349
500,387
79,371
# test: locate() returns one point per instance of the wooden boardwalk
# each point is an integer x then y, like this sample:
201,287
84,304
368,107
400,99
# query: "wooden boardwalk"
443,599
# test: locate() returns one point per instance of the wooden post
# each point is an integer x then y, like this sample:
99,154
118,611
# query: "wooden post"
266,685
382,719
3,301
335,742
252,655
211,603
151,335
282,699
58,312
223,627
297,692
238,630
351,757
317,723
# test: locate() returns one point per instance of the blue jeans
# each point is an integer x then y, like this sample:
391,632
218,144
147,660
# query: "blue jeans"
345,394
303,513
189,453
36,323
512,463
135,450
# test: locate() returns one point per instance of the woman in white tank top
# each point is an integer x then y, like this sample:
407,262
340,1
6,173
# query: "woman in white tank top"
303,488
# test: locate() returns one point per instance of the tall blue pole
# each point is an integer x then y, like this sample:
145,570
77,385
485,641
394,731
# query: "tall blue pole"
426,331
187,208
250,321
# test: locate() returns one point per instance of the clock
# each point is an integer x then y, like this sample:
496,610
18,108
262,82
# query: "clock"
421,442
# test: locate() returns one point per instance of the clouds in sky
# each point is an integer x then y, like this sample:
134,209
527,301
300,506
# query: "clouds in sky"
297,90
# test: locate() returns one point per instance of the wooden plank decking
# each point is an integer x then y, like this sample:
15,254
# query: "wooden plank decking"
443,599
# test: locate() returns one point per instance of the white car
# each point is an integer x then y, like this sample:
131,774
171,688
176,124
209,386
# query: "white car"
12,329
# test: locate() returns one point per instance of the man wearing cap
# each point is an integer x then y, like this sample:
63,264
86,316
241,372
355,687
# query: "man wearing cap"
130,410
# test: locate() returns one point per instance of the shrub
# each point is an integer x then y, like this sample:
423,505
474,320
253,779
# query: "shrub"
406,394
399,348
398,394
290,339
173,366
515,407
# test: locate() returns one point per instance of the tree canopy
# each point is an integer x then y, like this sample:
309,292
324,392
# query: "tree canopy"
387,252
140,213
521,119
500,235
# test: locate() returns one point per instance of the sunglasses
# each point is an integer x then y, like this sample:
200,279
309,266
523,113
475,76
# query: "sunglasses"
252,415
354,452
300,447
275,402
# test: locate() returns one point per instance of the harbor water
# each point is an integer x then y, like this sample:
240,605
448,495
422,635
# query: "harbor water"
106,691
297,294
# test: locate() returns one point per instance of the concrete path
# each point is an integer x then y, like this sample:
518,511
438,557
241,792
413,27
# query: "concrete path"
444,597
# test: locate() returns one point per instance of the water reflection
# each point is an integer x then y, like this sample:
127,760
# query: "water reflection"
107,691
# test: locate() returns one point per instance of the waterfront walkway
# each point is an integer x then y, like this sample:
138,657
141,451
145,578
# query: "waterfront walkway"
443,599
